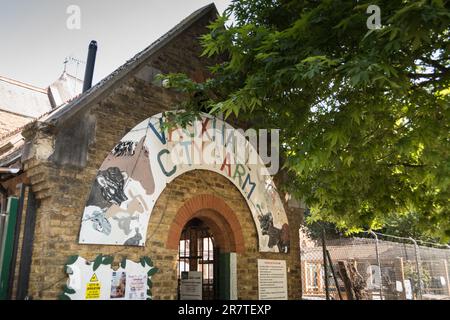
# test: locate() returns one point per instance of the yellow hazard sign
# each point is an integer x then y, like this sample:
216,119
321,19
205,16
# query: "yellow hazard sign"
93,288
94,278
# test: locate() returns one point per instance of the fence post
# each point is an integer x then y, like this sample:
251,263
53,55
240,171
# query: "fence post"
446,276
419,273
336,283
325,268
378,262
400,270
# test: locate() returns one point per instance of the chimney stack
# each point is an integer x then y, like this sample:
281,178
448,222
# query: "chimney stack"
89,73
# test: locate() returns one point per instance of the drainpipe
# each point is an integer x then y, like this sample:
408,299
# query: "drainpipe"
27,247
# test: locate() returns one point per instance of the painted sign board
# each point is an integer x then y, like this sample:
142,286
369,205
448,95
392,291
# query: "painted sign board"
272,280
191,285
129,282
138,169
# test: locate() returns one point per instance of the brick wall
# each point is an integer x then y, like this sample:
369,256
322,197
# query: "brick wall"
63,191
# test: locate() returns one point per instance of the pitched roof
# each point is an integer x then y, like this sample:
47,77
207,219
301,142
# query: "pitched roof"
71,107
65,112
23,99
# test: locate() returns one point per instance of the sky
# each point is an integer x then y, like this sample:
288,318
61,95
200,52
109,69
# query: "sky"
35,38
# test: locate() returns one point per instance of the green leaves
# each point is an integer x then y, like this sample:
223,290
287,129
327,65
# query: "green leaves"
63,297
68,290
152,272
107,260
97,262
72,259
337,91
123,263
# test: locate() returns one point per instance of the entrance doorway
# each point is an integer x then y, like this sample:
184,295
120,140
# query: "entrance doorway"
207,237
197,251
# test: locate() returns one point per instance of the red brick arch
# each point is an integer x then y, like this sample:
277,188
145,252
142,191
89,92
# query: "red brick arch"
219,217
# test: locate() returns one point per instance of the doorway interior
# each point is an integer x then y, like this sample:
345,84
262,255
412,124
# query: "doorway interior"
198,252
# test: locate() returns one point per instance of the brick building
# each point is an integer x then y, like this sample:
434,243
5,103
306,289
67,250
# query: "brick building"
65,209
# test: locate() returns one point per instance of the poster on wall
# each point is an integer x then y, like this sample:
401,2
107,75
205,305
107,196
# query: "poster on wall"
272,280
97,280
138,169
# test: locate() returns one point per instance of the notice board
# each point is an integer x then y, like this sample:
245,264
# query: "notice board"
272,280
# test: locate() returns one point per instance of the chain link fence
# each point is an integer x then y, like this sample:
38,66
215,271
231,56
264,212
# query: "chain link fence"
376,267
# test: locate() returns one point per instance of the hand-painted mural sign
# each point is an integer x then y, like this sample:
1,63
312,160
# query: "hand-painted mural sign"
150,156
97,280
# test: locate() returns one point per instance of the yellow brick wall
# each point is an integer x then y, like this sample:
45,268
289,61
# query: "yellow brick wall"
63,192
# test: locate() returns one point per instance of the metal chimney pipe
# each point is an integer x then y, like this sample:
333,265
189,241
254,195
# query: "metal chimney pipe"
89,73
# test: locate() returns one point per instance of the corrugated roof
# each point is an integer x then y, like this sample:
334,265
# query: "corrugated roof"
23,99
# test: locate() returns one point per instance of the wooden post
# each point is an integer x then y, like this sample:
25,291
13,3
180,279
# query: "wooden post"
336,283
325,267
400,270
345,275
303,276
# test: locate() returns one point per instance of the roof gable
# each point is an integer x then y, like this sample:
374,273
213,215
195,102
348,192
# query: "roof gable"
59,115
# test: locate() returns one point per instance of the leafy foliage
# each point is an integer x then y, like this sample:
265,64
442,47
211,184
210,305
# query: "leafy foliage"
364,113
412,274
97,262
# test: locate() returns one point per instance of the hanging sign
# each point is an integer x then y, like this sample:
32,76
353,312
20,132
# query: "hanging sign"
138,169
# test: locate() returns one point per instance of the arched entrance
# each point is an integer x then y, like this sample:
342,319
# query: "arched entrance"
198,252
208,236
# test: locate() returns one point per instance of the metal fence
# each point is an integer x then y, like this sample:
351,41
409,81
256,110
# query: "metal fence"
376,267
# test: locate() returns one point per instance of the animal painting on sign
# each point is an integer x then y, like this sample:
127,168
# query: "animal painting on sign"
133,159
107,191
277,237
108,188
116,202
124,217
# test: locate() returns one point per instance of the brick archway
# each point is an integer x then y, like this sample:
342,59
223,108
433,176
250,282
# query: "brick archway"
217,215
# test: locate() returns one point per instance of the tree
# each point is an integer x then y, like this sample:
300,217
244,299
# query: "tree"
364,114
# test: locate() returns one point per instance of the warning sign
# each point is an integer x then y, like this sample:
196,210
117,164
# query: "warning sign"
93,288
94,278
